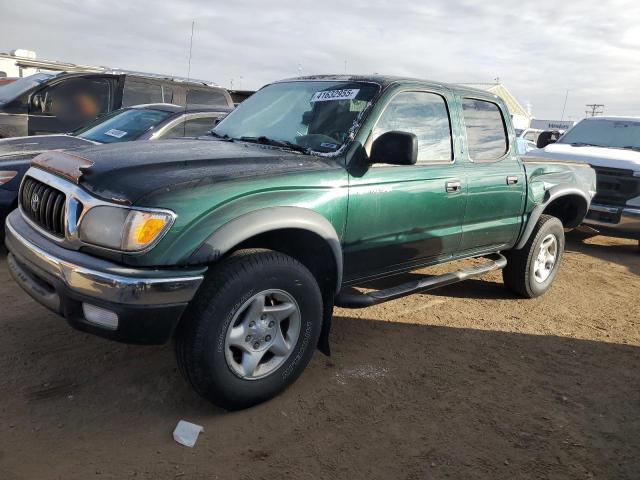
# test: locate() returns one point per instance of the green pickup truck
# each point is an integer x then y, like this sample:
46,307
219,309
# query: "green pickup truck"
238,245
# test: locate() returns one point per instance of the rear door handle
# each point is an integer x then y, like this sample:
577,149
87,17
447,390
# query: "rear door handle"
453,186
512,180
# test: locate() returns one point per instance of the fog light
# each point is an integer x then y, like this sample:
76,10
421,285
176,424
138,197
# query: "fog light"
100,316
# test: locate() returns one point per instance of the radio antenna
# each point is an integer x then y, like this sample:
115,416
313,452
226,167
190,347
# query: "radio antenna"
186,93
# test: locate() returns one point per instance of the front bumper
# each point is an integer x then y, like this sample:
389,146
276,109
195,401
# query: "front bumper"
148,303
614,221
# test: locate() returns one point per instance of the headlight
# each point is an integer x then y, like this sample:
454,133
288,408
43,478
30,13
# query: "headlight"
123,228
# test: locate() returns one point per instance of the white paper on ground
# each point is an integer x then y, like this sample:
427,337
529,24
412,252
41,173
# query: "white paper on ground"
186,433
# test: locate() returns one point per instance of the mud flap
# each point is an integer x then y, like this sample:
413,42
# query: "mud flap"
327,316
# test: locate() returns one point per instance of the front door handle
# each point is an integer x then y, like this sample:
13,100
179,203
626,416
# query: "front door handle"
512,180
453,186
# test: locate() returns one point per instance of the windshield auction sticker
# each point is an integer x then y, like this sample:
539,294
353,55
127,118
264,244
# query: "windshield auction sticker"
327,95
115,133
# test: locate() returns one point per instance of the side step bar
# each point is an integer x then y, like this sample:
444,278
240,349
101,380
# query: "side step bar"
354,299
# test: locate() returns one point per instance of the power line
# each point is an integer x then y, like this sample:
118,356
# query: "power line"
594,109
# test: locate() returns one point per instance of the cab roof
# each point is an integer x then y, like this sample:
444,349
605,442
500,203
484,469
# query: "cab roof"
386,80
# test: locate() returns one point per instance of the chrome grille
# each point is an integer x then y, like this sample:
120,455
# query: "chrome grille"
43,205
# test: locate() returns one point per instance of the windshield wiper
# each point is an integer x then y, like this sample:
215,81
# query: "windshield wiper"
276,143
632,147
221,137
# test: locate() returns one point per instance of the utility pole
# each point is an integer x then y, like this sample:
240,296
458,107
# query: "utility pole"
594,109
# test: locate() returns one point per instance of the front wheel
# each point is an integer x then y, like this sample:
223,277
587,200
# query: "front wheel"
531,270
251,330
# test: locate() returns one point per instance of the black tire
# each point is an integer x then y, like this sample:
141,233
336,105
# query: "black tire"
519,275
200,339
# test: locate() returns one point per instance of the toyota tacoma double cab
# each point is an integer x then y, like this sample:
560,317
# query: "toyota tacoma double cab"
237,246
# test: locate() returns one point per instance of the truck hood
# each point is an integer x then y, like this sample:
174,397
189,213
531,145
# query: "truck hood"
127,172
25,146
596,156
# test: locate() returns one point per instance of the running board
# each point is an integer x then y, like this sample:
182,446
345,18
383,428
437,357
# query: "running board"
354,299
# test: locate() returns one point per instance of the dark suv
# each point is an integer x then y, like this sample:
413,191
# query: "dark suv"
46,103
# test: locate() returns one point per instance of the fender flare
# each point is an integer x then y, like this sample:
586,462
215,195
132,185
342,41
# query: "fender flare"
550,195
266,220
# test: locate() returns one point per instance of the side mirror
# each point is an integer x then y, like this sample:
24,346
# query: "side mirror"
217,120
306,118
395,148
547,137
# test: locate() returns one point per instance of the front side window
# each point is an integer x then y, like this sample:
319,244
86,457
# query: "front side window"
76,100
425,115
140,92
317,115
123,125
486,131
608,133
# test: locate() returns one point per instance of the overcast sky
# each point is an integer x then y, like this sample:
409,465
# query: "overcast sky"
538,49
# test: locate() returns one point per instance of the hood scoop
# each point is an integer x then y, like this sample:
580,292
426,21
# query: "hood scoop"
66,165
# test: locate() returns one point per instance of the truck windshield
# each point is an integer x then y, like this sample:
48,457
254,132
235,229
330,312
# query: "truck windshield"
608,133
122,125
13,90
316,115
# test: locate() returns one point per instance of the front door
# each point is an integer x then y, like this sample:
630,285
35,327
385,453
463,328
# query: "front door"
401,216
70,104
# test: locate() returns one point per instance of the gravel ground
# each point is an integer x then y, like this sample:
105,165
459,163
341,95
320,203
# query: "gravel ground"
467,382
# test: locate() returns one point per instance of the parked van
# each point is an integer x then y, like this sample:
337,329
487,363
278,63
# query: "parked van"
46,103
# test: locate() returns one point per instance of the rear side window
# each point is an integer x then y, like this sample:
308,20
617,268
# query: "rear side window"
425,115
137,92
486,132
206,97
194,127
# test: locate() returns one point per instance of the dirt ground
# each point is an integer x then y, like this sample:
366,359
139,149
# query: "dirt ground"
467,382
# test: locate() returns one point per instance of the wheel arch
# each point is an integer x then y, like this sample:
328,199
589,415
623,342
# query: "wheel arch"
569,205
302,233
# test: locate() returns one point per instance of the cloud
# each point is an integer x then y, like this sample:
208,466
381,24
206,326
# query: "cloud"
538,49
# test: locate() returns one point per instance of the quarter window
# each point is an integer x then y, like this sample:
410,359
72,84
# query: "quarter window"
486,132
425,115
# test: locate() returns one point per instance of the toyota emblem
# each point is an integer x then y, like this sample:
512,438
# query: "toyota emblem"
35,202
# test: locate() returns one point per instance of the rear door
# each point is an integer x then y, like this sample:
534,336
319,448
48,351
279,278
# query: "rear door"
400,216
495,177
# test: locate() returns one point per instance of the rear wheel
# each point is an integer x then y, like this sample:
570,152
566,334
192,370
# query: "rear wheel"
531,270
251,330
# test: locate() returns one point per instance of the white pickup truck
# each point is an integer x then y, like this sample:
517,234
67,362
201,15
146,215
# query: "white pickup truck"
611,145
